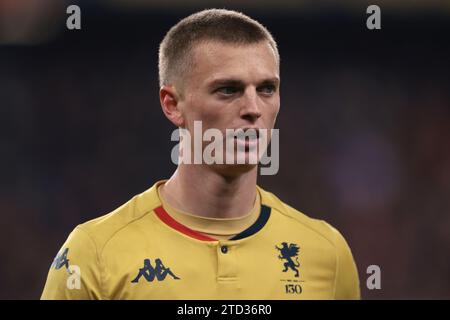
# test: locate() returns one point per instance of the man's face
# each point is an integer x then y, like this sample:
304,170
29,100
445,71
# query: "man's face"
231,87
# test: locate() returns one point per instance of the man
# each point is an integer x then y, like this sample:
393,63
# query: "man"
209,232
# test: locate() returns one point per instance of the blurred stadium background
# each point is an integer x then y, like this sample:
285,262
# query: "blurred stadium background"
365,127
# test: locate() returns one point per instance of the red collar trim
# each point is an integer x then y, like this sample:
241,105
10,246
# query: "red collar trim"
171,222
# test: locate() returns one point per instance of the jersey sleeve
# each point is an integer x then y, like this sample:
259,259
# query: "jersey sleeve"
75,272
347,279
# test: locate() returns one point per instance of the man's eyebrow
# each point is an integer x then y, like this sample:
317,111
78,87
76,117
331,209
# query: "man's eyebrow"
239,83
273,81
226,82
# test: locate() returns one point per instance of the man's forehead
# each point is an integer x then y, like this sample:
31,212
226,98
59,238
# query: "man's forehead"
213,48
219,59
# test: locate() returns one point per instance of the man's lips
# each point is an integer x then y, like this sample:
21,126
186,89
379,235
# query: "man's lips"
245,134
247,137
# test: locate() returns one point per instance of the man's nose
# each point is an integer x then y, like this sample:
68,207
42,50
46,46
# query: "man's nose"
250,109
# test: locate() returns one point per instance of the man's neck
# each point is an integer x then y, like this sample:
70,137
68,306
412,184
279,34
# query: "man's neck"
201,191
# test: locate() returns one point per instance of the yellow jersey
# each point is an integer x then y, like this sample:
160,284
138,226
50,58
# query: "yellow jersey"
139,251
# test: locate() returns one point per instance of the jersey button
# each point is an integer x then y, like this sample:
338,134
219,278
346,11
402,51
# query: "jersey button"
224,249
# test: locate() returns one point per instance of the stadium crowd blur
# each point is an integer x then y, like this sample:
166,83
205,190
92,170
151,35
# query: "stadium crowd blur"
364,131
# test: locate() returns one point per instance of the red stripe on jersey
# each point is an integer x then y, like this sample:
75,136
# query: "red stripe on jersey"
171,222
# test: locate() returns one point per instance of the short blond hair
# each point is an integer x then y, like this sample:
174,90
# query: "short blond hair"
208,25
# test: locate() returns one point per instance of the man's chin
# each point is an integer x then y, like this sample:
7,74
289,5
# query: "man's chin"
233,170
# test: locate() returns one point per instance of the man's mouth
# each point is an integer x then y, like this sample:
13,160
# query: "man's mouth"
248,137
240,133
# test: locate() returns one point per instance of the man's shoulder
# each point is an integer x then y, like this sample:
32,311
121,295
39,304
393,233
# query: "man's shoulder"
320,227
103,228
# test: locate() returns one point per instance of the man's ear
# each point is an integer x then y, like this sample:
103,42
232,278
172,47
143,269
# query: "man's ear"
169,99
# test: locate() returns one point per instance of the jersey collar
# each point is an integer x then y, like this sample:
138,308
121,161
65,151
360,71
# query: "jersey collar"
254,228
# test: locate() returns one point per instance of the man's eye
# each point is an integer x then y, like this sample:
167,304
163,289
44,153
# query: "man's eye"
227,90
269,89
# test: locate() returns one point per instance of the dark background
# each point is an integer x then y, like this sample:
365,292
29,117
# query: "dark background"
364,128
